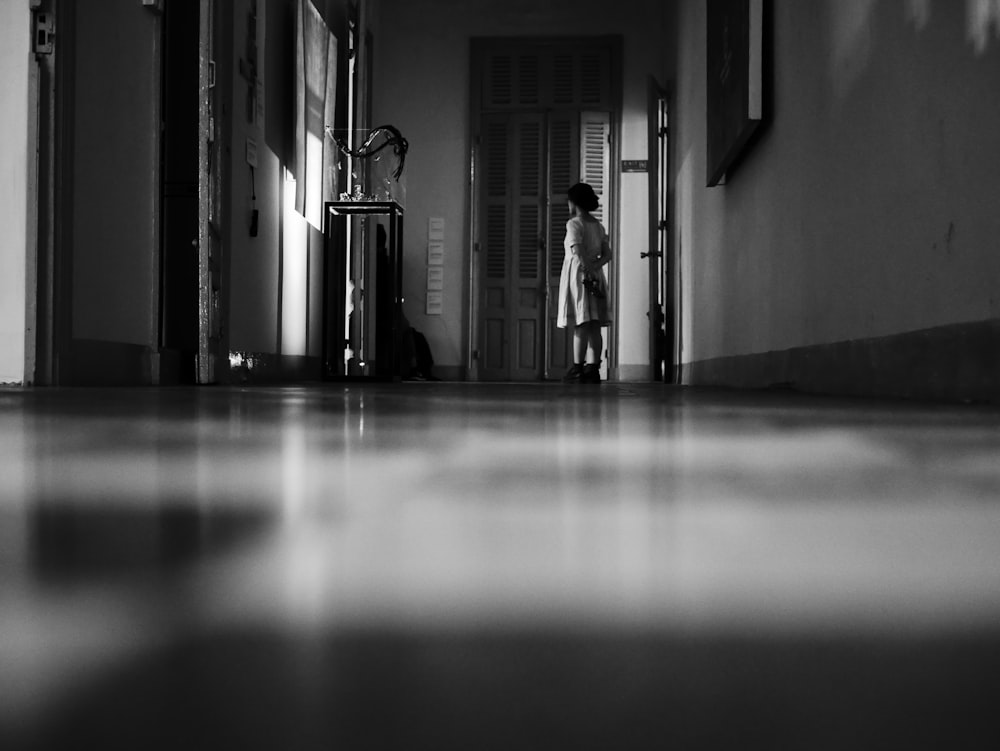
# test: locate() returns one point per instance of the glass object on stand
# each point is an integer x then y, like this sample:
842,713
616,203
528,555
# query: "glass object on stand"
377,158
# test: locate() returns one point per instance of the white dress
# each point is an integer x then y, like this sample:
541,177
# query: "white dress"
574,301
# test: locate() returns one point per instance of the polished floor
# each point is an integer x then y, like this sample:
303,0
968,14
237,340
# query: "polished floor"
476,566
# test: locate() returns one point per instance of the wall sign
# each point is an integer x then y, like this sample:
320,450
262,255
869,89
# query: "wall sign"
635,165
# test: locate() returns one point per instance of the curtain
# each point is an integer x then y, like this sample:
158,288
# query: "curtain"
315,166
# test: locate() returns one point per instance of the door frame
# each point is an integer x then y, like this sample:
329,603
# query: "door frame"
49,271
206,146
53,356
663,314
214,120
475,303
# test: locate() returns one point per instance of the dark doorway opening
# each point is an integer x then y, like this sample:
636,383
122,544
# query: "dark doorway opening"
179,230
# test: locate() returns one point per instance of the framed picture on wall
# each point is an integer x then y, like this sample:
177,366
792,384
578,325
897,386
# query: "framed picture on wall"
734,81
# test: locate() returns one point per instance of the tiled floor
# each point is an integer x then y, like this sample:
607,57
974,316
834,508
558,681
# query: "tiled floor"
474,566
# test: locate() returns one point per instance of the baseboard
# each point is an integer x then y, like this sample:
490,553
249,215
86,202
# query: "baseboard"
267,368
631,373
89,362
173,367
449,372
959,362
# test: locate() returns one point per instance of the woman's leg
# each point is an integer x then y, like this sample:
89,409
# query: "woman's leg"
595,342
592,368
581,340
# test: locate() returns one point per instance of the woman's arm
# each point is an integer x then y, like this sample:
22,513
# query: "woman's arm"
605,255
576,246
588,266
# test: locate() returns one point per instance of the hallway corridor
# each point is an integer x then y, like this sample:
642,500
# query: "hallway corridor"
509,567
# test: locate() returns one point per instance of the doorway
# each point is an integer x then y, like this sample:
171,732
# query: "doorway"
544,112
178,343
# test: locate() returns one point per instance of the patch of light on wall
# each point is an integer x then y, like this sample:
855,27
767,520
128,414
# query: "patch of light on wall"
919,12
314,174
294,274
982,21
849,26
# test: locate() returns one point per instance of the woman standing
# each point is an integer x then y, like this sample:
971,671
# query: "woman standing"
583,287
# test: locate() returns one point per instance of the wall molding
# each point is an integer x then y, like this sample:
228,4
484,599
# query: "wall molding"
253,368
450,373
956,363
631,373
91,362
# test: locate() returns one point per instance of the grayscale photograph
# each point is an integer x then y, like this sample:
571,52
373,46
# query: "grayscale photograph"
499,375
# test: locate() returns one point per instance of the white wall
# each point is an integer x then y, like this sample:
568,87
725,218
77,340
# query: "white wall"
253,261
869,207
275,278
422,70
14,70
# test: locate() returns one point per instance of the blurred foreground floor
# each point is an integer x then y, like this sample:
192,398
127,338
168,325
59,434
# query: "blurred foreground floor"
474,566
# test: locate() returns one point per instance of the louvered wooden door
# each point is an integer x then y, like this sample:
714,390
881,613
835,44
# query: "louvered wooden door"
544,125
564,171
513,287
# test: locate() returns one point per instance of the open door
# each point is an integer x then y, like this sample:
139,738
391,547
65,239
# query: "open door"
531,161
661,346
595,170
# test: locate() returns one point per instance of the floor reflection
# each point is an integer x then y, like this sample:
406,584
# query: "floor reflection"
538,690
433,565
70,542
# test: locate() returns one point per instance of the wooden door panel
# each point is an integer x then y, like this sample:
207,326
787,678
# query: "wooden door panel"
560,349
564,171
527,346
595,168
528,188
496,231
595,131
494,348
531,75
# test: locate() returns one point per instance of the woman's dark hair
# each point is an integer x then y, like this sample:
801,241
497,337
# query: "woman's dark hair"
583,196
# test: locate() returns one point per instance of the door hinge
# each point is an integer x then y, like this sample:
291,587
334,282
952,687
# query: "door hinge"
43,32
475,247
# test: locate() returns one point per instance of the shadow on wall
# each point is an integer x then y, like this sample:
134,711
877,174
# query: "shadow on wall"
851,33
982,20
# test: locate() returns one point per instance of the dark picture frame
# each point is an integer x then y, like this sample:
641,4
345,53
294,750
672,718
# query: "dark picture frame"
735,40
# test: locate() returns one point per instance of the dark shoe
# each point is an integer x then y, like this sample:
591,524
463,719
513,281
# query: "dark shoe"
591,373
573,375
